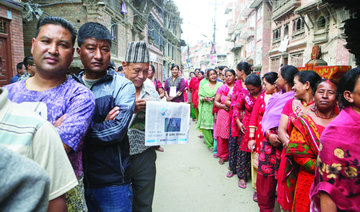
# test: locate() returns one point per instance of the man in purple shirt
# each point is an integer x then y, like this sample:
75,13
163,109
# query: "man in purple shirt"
65,103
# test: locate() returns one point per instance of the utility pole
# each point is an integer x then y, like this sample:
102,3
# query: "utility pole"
214,33
213,56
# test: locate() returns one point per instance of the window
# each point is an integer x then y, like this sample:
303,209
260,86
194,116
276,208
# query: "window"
259,32
114,37
298,25
286,30
321,22
259,12
277,34
2,26
153,31
251,21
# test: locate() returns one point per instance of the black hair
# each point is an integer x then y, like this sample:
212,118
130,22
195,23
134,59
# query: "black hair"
288,73
93,30
173,66
57,21
231,71
208,72
197,69
201,72
222,67
324,80
153,68
253,79
347,83
244,66
120,68
270,77
308,76
19,65
28,61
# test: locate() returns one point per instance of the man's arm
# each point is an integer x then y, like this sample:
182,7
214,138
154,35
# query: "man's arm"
57,205
114,130
49,153
76,119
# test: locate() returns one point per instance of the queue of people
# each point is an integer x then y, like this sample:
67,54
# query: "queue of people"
84,131
292,133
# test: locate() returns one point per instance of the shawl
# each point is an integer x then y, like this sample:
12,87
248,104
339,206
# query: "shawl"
273,110
338,169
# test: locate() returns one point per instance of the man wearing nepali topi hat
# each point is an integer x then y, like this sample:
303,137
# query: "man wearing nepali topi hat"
142,158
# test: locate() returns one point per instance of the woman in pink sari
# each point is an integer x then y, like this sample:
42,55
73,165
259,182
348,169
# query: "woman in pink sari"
222,125
243,69
337,178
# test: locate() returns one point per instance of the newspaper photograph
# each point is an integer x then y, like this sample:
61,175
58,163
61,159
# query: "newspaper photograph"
166,123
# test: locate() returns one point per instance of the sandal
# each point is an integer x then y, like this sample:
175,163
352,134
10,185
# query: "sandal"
215,155
230,174
221,161
255,197
242,184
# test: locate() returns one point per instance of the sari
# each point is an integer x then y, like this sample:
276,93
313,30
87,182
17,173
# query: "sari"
338,169
301,157
288,170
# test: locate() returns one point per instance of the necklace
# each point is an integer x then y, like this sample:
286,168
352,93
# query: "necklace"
322,117
307,104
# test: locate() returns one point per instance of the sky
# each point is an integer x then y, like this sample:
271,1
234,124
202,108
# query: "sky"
198,18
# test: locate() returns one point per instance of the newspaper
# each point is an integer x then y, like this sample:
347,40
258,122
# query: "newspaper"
166,123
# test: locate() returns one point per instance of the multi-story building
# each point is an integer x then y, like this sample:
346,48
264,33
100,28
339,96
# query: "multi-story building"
261,20
11,39
288,35
155,40
249,29
298,25
172,36
326,28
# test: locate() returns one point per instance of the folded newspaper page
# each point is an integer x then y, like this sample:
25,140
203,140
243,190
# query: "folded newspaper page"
166,123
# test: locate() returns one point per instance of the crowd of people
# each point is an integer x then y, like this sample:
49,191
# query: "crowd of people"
292,133
85,131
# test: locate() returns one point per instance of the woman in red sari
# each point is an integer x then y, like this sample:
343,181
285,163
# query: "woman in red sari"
244,106
256,135
336,186
222,124
303,104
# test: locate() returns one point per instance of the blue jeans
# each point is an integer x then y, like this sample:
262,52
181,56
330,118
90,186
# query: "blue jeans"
109,199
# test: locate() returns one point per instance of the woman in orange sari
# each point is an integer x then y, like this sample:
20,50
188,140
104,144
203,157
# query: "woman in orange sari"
304,131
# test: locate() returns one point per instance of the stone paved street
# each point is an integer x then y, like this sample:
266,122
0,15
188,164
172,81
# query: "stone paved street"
190,179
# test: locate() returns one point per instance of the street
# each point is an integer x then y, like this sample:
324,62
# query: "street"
190,179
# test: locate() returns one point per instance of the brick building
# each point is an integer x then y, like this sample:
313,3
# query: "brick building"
11,39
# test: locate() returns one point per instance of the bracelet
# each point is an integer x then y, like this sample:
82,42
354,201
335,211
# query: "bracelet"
267,134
